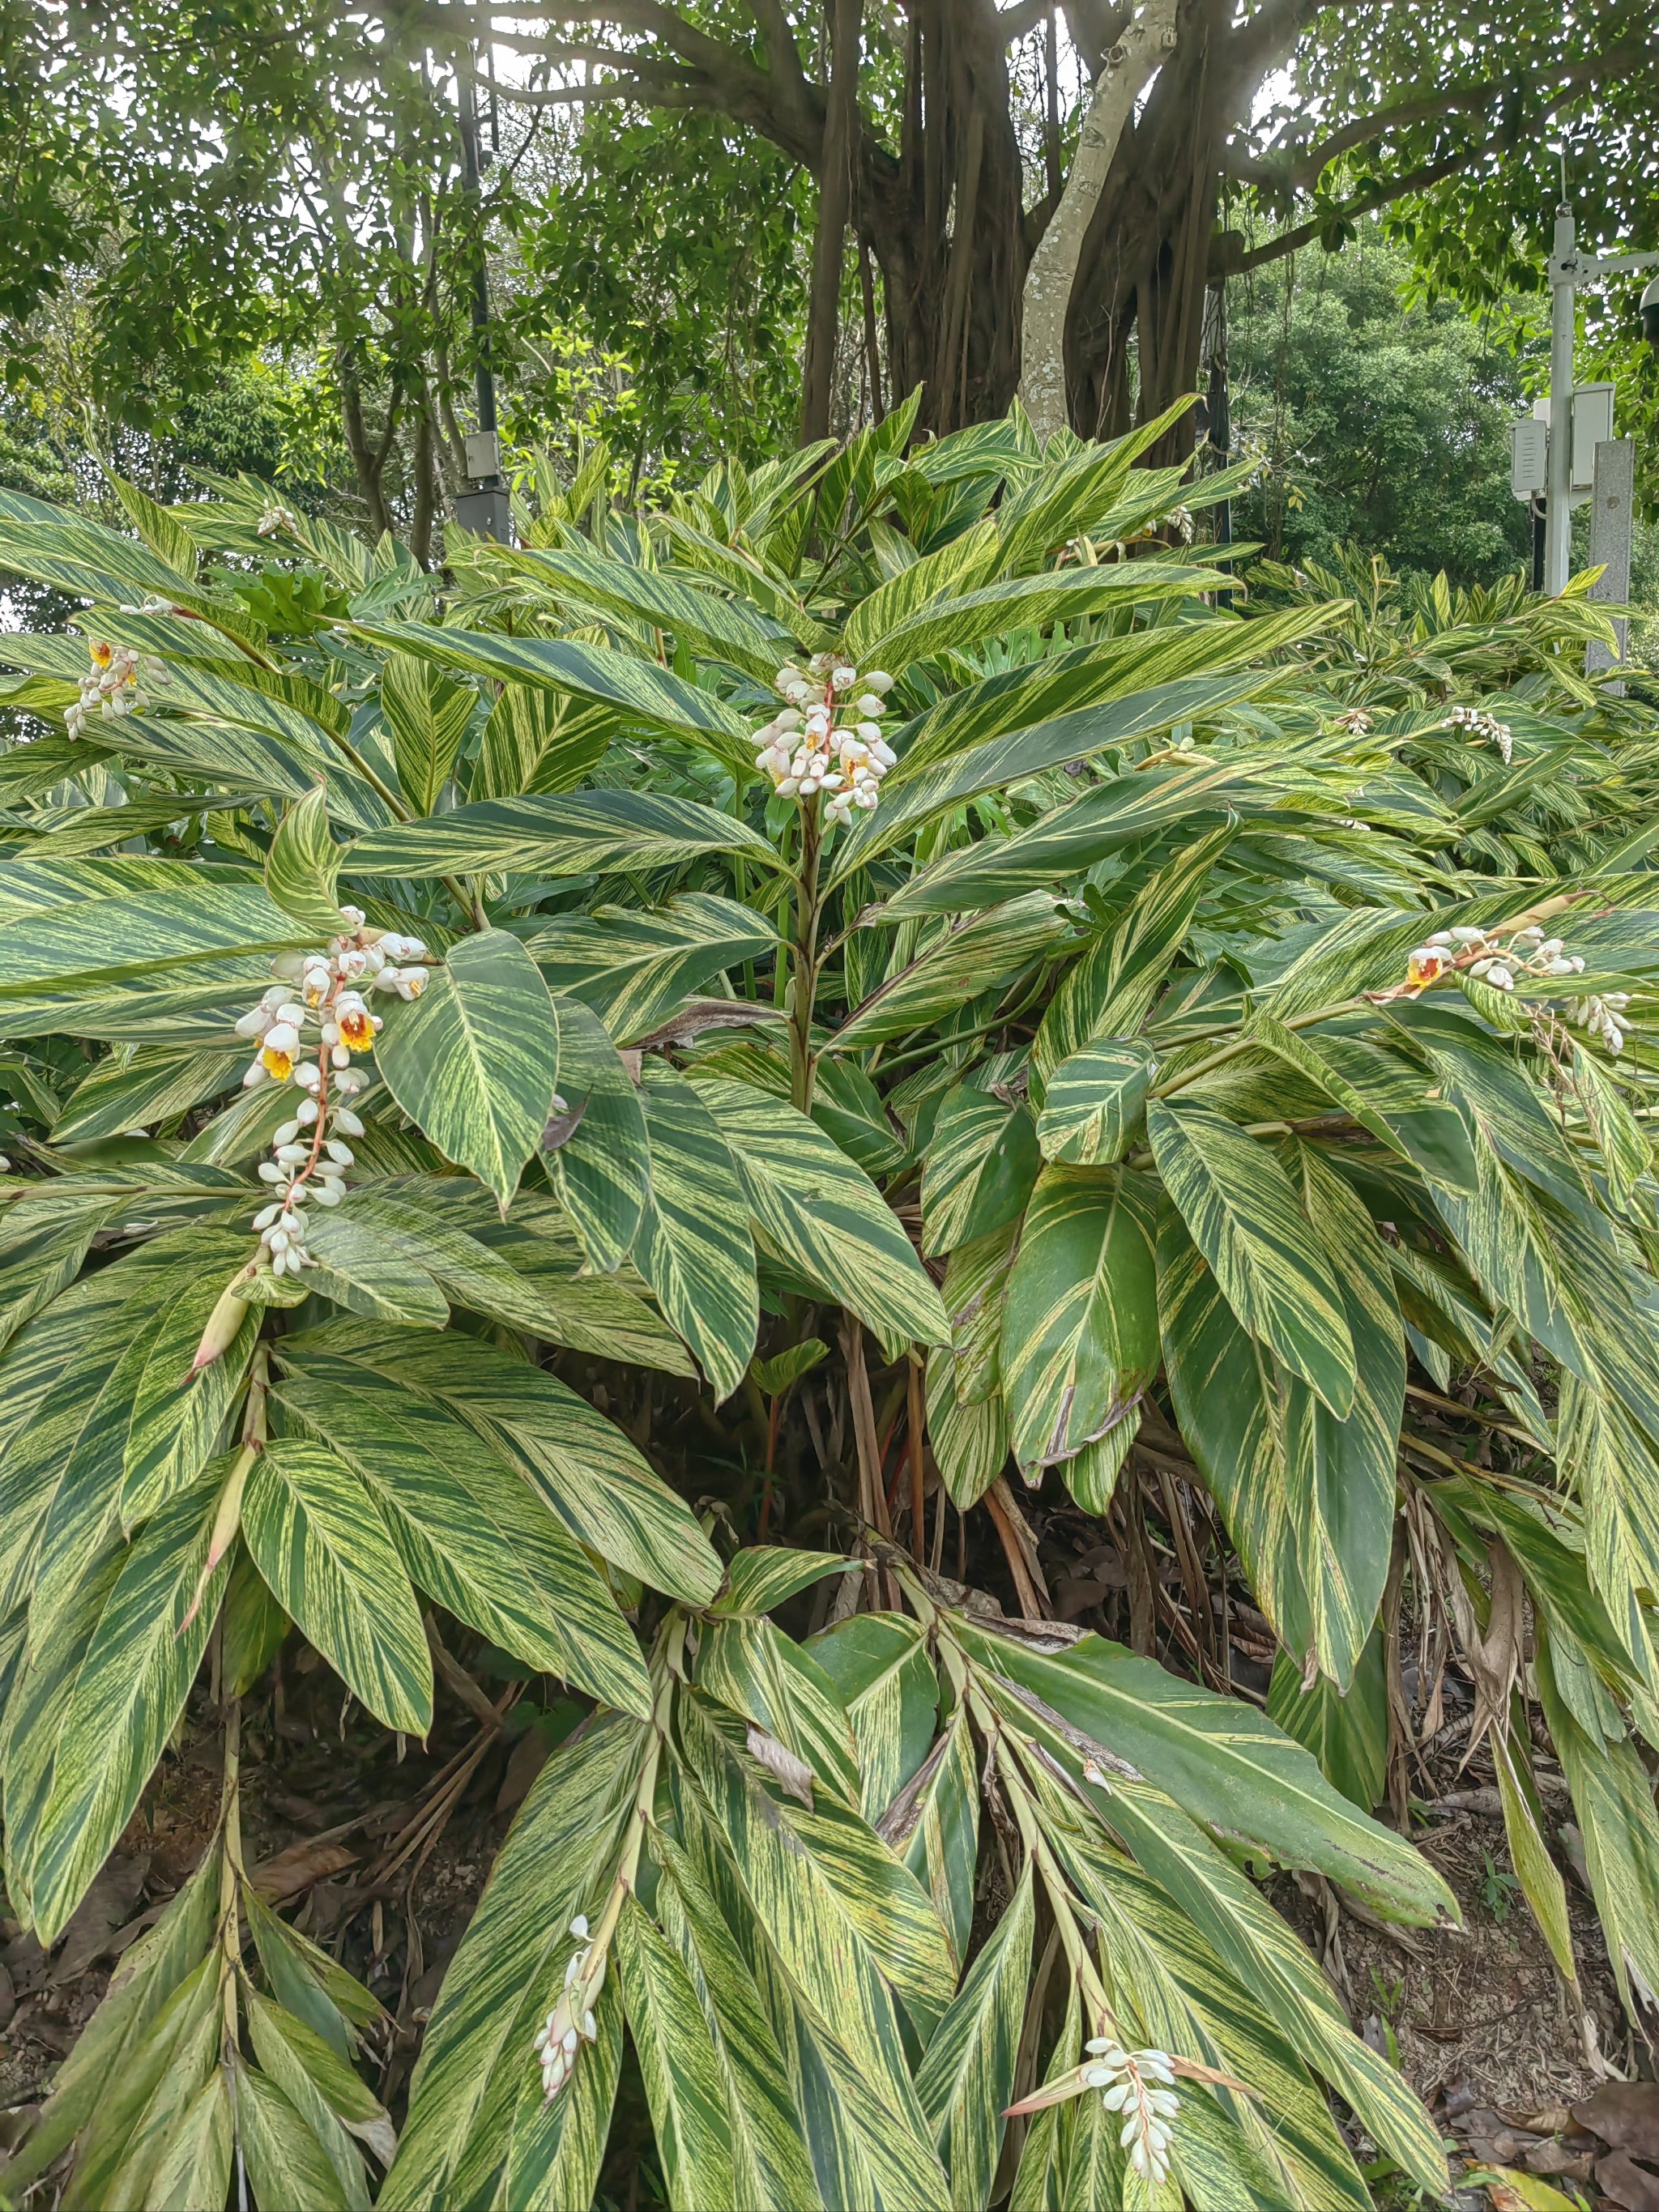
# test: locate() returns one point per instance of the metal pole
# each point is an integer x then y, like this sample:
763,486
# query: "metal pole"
486,382
1558,520
486,505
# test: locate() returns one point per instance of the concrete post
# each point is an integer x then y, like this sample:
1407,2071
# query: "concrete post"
1612,505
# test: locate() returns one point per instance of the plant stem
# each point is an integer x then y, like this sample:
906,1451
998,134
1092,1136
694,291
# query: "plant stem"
804,982
1243,1042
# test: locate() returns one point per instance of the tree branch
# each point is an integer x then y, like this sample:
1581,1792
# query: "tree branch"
1096,27
1306,233
1013,23
1302,170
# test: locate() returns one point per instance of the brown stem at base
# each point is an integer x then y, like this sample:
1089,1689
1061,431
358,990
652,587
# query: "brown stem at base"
1015,1539
872,1499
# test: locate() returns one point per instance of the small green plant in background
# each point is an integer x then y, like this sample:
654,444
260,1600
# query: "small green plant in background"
1499,1890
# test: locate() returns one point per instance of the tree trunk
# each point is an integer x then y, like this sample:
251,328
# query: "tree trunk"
367,463
945,219
1135,326
834,204
1051,280
428,486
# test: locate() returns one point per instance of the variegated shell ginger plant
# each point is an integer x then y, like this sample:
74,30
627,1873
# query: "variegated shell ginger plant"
880,959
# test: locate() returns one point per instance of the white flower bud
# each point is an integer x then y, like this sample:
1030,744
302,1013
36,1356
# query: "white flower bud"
346,1119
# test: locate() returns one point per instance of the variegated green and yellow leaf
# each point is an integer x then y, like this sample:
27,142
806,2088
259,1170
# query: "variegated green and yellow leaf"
557,834
633,966
536,741
980,1165
127,1694
477,2087
1241,1212
318,1539
966,2076
770,2169
599,1146
582,1466
1079,1336
750,1665
1093,1103
966,960
428,714
822,1215
649,695
303,866
475,1060
694,1246
1308,1499
682,2075
471,1531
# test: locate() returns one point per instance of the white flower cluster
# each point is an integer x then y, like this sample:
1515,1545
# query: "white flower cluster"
109,687
307,1026
1477,723
1497,959
571,2023
276,519
1140,2085
1356,721
826,739
1485,955
1600,1016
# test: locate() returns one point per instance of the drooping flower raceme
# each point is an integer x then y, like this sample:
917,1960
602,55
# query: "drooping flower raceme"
1475,723
1498,957
571,2023
1139,2085
110,687
306,1027
827,736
